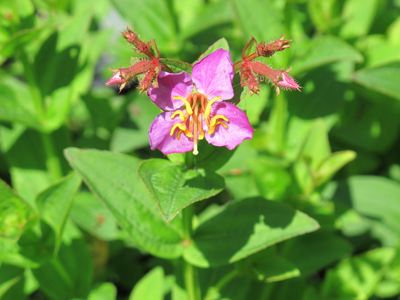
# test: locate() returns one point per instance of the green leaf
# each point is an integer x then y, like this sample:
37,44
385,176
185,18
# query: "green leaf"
177,66
387,289
325,50
212,158
92,48
146,20
241,186
324,14
55,202
23,149
112,177
10,254
316,144
250,48
11,282
331,164
150,287
133,132
214,14
220,44
15,213
89,213
173,187
372,126
276,269
69,275
382,79
223,283
362,193
304,176
14,107
243,228
272,180
105,291
314,251
267,266
357,277
255,105
259,19
20,39
304,108
75,29
358,16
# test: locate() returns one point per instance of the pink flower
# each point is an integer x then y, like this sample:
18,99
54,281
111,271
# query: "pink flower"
194,108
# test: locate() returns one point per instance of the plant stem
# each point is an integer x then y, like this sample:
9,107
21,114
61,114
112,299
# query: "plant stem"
189,271
53,163
191,281
220,284
190,160
187,216
33,87
266,291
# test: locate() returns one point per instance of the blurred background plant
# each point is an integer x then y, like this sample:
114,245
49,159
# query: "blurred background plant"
331,151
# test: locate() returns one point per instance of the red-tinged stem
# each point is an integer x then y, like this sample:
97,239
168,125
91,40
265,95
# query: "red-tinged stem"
236,65
252,56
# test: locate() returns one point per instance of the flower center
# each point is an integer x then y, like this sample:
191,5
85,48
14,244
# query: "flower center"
198,108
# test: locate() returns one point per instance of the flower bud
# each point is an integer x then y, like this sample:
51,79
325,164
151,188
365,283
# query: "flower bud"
287,82
115,79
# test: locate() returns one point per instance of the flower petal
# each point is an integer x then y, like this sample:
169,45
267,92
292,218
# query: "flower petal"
161,139
239,128
213,75
169,86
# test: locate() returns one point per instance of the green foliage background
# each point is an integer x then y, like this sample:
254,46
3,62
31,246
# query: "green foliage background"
327,157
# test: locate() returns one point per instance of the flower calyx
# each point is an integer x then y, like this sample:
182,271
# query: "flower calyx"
253,71
146,69
268,50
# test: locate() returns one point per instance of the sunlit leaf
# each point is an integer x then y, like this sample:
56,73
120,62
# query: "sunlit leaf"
173,187
245,227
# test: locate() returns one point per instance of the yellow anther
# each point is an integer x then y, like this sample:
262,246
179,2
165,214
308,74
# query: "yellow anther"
201,130
214,122
178,135
178,125
215,118
180,113
223,124
208,108
182,128
187,104
201,135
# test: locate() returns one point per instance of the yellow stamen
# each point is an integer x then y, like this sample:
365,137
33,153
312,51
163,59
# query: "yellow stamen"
215,118
182,128
178,135
187,104
180,113
208,108
178,125
214,122
223,124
